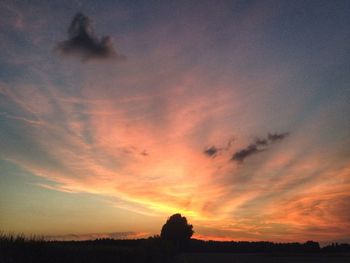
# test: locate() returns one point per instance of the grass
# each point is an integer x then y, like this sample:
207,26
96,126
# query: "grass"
28,249
263,258
18,248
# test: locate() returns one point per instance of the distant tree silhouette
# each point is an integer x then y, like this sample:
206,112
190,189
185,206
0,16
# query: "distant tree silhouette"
177,230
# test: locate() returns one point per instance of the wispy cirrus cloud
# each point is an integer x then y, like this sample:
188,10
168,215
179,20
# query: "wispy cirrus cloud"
179,176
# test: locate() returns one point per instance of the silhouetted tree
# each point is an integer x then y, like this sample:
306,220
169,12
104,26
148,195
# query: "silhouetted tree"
177,230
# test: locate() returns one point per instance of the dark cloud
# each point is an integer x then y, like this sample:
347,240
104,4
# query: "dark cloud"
240,155
211,151
260,144
83,43
277,136
214,151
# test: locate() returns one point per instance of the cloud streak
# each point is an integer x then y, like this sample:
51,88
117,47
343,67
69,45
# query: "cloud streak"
274,137
242,154
260,145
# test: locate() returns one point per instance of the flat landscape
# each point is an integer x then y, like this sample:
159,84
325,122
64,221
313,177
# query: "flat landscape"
160,250
263,258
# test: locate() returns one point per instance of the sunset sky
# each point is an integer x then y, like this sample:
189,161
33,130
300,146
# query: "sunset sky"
115,115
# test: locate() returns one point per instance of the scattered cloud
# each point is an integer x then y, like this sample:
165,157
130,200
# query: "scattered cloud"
240,155
260,144
277,136
211,151
83,43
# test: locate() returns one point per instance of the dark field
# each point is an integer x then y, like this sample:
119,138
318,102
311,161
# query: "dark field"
263,258
18,249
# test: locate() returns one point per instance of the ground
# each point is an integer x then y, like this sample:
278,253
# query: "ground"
263,258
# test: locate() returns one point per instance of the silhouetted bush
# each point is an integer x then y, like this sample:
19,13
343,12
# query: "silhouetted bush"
177,230
336,248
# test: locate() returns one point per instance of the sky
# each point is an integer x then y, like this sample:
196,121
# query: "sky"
115,115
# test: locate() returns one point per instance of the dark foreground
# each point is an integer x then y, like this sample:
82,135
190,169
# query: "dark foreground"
263,258
19,249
